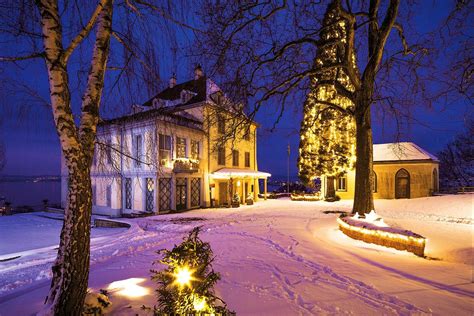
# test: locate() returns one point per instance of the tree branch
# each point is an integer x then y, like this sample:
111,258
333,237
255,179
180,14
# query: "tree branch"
376,55
95,81
406,48
163,14
84,32
18,58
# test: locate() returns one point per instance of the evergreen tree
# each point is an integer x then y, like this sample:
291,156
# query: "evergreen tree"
327,135
185,286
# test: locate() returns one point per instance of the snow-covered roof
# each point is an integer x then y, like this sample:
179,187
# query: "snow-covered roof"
400,152
227,173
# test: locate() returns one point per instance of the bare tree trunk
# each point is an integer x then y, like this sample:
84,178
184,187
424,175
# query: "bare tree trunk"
363,195
71,268
330,191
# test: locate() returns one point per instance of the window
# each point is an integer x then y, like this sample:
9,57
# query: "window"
150,195
435,181
235,158
128,193
247,134
186,96
138,149
94,157
342,184
165,148
195,192
194,149
94,195
220,124
247,159
221,156
180,147
374,187
108,151
109,195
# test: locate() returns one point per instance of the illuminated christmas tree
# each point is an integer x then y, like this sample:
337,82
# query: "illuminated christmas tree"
185,286
327,135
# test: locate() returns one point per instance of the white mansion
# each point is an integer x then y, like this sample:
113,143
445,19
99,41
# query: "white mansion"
182,149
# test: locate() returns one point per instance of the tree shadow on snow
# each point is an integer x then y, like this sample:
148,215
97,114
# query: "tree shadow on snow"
449,288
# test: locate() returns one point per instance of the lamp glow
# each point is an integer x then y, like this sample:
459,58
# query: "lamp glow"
183,276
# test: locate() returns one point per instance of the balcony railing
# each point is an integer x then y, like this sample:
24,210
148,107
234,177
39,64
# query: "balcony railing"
185,165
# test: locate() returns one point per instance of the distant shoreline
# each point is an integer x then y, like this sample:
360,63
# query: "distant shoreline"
33,179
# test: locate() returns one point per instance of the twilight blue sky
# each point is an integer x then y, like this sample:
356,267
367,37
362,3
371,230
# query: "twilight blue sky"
27,131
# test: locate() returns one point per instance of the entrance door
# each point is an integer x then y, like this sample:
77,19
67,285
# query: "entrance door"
223,193
181,193
402,184
330,190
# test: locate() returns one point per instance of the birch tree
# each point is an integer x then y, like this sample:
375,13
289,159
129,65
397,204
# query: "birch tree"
46,27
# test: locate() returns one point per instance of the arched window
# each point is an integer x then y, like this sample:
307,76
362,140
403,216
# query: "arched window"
374,186
435,180
402,184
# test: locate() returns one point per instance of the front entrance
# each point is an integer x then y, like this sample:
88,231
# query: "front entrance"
223,193
181,193
330,189
402,184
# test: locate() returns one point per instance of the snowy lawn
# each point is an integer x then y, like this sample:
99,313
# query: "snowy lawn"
280,257
22,232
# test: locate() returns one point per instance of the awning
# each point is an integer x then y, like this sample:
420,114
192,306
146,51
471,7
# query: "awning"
227,173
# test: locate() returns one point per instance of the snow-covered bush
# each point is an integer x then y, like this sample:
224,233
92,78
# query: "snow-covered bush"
235,200
249,199
96,303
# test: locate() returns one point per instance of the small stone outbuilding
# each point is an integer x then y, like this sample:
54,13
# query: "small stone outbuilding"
401,171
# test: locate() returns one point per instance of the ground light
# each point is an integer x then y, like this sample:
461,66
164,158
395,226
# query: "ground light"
183,276
129,287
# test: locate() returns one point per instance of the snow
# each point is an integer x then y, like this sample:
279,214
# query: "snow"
226,173
280,257
401,151
31,231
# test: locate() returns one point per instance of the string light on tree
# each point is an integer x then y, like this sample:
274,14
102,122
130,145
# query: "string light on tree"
327,134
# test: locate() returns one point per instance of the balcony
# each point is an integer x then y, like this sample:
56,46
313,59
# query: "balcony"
187,165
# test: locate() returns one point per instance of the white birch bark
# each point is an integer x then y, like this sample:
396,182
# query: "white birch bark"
71,268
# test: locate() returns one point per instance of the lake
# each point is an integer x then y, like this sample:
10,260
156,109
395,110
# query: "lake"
31,193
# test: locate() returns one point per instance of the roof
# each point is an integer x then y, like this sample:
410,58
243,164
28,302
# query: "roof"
162,113
401,152
226,173
197,86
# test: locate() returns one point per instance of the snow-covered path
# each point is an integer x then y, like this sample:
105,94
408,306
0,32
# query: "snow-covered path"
280,257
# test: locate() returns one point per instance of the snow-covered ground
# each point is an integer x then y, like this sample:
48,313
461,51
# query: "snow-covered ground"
277,257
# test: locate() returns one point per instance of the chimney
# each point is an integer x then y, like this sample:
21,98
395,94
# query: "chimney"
173,80
198,73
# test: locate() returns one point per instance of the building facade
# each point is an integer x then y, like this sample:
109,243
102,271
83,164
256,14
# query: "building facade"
401,170
187,147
